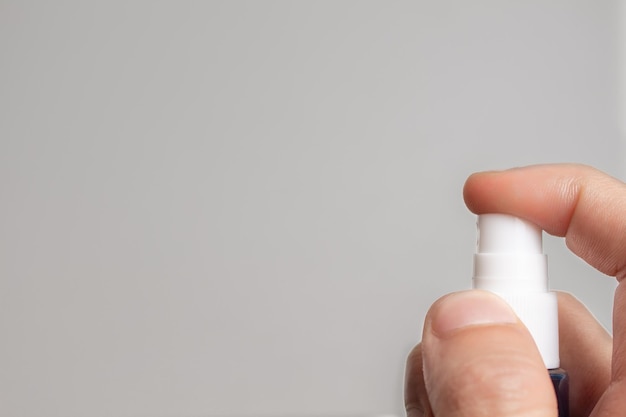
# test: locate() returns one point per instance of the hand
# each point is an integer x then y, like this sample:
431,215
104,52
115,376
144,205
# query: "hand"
477,359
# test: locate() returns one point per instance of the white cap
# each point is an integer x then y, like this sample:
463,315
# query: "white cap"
509,261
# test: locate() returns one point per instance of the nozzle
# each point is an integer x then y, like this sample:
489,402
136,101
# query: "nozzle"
500,233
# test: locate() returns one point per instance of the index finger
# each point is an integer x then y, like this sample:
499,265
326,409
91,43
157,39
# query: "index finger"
584,205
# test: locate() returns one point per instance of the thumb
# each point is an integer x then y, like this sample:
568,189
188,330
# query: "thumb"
480,360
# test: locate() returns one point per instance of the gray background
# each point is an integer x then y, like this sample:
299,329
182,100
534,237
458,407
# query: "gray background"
246,208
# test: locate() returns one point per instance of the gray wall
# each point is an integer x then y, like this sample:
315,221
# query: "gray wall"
246,208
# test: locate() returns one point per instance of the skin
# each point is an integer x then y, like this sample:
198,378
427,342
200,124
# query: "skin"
477,359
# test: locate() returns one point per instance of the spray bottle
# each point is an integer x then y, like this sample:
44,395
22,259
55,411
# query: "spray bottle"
510,262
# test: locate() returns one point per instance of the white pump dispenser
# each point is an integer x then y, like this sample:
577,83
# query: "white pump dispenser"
509,261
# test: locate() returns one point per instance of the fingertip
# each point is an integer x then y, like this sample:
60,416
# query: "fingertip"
477,187
468,308
470,189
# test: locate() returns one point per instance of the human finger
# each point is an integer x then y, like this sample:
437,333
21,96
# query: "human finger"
415,395
585,354
480,360
585,350
580,203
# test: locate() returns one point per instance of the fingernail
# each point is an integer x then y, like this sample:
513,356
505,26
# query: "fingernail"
470,308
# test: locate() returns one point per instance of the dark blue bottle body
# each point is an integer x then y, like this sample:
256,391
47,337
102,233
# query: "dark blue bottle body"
561,389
